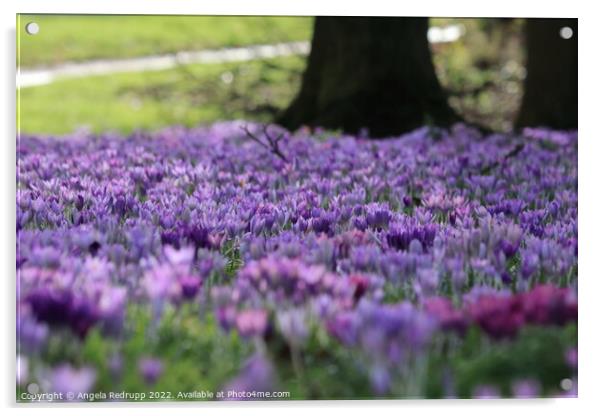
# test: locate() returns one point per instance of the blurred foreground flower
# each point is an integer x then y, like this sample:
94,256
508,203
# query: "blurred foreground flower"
150,369
257,375
67,379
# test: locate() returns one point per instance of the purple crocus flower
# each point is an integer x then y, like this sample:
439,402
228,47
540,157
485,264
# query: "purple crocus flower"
448,317
190,286
380,379
293,325
61,307
257,375
499,317
82,316
31,335
378,217
526,389
252,322
67,379
150,369
344,326
571,358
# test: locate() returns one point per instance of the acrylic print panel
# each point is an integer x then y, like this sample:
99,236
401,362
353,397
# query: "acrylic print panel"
277,208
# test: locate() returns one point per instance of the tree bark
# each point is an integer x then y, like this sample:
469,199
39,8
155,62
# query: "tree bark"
550,97
369,72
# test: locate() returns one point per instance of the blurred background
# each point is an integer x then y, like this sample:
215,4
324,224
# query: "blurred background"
85,72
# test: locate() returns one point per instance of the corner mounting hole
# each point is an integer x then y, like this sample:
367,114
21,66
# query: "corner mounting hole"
32,28
566,384
566,32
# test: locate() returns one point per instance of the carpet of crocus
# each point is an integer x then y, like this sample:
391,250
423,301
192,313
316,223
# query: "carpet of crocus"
180,264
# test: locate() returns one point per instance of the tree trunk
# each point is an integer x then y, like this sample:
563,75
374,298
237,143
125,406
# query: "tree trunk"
550,97
369,72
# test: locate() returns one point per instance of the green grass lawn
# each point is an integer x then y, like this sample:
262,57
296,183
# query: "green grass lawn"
84,37
186,95
149,100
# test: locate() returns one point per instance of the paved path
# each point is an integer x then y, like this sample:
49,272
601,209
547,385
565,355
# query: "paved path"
41,76
31,77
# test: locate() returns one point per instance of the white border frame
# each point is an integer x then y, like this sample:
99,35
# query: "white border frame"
589,201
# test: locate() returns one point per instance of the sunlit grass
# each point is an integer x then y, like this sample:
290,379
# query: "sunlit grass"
84,37
186,96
